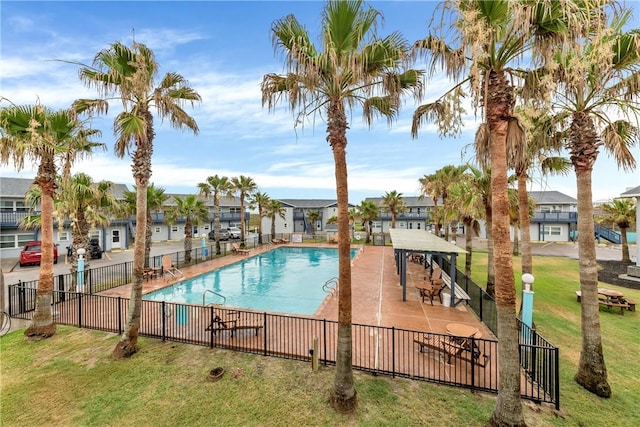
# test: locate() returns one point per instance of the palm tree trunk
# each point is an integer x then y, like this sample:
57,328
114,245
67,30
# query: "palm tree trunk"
491,281
468,240
147,241
592,371
343,395
216,221
188,235
508,411
625,245
525,225
42,325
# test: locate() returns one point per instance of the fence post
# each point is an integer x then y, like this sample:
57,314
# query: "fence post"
80,310
324,339
534,351
119,311
556,375
212,330
164,320
22,300
393,352
264,322
61,295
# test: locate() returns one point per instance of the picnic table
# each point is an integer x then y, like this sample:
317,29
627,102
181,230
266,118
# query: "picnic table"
612,298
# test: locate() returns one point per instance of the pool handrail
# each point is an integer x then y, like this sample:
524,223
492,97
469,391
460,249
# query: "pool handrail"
327,288
224,299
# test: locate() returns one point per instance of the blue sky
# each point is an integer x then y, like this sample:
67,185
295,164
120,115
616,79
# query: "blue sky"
224,49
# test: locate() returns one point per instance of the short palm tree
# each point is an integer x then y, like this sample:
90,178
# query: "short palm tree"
312,219
260,200
216,186
128,75
155,202
621,212
244,186
87,204
194,211
392,202
353,67
40,135
368,212
272,210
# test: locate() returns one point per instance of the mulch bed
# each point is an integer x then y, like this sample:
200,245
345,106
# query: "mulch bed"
610,270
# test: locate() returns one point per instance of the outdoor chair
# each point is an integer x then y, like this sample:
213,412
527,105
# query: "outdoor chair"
232,321
236,250
168,268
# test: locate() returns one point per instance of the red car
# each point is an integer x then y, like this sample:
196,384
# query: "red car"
32,252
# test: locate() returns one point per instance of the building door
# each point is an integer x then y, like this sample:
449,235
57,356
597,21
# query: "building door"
115,239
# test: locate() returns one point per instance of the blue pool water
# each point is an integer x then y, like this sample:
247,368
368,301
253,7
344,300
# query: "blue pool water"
287,279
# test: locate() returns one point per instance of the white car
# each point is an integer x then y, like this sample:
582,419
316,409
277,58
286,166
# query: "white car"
234,232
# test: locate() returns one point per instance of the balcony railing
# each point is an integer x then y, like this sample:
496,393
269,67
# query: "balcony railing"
555,217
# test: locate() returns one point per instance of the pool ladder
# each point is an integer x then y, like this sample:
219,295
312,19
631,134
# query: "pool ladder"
331,286
204,296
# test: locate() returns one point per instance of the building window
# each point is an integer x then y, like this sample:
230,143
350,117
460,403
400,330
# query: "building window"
63,236
174,228
545,209
95,234
14,240
553,230
157,229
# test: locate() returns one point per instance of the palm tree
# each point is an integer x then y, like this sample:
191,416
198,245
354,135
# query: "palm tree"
494,38
129,75
312,218
87,204
272,210
599,91
156,198
469,204
260,200
368,212
245,186
354,68
219,186
430,187
194,211
621,212
40,135
393,203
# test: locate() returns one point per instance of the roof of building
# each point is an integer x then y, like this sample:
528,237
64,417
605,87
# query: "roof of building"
224,201
552,197
408,201
631,192
14,187
311,203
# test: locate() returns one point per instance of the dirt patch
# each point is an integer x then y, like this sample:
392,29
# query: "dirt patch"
610,271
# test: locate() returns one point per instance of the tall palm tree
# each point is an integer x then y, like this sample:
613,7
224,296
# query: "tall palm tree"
493,39
218,186
194,211
40,135
621,212
260,200
393,203
156,198
598,94
87,204
244,186
368,212
273,209
430,187
129,75
352,68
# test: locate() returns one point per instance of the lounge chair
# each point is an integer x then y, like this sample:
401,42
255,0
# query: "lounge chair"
232,321
434,287
276,241
334,238
236,250
168,268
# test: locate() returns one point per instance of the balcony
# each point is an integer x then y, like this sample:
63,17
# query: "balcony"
564,217
406,216
11,219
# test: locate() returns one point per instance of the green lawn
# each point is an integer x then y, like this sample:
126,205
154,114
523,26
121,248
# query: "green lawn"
70,379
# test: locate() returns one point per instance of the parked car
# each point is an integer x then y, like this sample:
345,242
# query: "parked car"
32,252
94,250
224,235
234,232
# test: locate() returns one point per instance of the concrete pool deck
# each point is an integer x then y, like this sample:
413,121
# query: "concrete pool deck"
376,293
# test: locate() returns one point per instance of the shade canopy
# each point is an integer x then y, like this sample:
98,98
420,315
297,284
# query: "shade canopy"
422,241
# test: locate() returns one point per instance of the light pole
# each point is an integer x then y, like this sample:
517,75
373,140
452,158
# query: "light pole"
527,300
81,252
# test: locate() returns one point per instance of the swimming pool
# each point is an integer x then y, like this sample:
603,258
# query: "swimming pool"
286,279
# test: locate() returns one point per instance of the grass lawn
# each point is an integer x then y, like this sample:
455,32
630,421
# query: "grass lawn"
71,380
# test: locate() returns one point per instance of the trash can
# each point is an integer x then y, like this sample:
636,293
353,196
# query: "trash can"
446,299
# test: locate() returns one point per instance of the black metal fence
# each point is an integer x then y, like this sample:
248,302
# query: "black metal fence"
480,301
381,350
